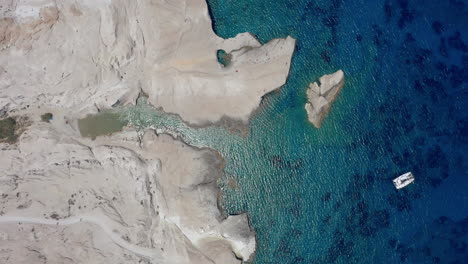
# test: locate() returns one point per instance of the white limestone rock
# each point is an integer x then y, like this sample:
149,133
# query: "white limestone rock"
321,96
79,243
114,199
81,56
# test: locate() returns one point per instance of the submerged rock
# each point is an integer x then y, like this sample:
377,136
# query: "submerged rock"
321,96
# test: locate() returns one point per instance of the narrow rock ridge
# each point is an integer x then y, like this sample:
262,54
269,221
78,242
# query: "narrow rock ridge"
321,96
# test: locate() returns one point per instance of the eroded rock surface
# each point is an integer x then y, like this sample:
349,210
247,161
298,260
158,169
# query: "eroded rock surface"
81,56
320,96
118,198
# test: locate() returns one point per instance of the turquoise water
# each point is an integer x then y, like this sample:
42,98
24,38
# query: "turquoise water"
325,195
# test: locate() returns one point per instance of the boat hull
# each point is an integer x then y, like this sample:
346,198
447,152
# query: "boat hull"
403,180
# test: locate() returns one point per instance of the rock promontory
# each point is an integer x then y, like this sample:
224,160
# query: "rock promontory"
320,96
87,55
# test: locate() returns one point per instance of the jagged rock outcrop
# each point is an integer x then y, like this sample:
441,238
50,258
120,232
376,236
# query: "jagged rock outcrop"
321,96
86,55
116,199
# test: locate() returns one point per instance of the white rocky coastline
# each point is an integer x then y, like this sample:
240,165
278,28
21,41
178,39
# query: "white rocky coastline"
120,188
81,58
124,198
320,97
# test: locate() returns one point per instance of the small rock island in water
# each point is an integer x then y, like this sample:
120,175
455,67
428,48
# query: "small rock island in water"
321,96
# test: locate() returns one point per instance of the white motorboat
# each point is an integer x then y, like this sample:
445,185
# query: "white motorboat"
403,180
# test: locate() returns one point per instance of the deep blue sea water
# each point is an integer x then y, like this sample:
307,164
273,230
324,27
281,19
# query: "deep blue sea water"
325,195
